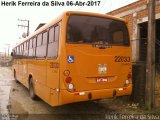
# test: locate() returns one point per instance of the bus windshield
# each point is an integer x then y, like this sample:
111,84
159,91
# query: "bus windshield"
82,29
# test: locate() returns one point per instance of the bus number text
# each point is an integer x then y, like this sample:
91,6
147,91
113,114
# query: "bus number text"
122,59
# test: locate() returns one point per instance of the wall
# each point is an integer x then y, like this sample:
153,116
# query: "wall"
135,14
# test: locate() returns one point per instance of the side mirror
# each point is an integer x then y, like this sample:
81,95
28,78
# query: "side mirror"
11,53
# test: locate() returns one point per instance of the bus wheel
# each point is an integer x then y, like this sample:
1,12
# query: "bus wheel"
15,77
31,90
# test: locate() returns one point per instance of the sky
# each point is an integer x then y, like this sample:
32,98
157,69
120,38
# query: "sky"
10,33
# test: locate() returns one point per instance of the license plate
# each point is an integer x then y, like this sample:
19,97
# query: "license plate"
99,80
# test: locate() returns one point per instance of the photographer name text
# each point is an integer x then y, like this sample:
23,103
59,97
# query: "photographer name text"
50,3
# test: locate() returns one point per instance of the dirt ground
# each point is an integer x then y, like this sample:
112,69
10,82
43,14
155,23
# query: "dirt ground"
16,104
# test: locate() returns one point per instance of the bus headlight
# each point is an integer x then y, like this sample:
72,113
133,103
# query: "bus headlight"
70,86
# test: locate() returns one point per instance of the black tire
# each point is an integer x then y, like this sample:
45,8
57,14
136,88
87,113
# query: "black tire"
31,90
15,77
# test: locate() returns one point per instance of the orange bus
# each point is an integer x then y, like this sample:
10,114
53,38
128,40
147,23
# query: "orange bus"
79,56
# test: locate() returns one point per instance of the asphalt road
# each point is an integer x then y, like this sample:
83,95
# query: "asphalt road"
16,104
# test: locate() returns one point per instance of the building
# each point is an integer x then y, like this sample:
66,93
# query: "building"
136,14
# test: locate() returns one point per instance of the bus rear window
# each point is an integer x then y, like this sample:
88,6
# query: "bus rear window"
83,29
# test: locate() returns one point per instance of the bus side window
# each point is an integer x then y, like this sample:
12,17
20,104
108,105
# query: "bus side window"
45,38
39,39
30,44
22,50
56,33
34,46
19,50
30,48
27,45
44,43
26,49
24,46
53,42
41,45
51,35
34,42
17,54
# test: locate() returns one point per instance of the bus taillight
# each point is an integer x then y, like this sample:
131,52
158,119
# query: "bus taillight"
68,79
129,76
69,83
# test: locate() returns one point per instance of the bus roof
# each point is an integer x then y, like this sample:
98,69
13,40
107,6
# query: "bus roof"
95,14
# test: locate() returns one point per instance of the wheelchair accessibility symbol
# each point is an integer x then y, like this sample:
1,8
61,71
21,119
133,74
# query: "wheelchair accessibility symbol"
70,59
